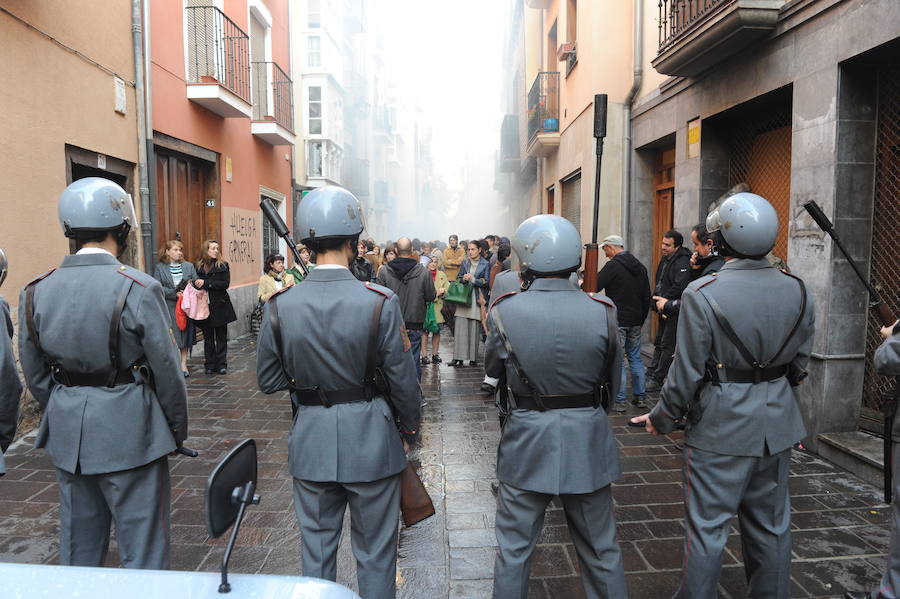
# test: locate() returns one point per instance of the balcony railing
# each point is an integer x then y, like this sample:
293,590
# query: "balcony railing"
272,94
543,105
676,16
218,50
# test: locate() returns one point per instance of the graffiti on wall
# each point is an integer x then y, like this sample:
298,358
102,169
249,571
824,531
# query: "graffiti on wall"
241,243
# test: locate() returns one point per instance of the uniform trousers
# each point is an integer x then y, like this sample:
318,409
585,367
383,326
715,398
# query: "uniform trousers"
137,500
718,486
374,512
466,339
890,582
520,517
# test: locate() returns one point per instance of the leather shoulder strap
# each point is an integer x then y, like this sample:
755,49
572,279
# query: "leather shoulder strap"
511,355
29,318
612,329
372,352
114,323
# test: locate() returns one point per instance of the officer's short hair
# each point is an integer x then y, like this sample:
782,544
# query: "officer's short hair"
326,245
675,236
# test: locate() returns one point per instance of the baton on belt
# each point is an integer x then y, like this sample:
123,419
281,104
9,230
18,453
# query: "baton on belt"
282,231
887,319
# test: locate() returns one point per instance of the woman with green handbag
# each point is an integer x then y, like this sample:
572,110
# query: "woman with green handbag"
474,274
434,320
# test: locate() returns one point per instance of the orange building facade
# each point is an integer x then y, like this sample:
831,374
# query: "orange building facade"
222,130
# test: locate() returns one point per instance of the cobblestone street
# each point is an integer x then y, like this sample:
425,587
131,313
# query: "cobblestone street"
841,526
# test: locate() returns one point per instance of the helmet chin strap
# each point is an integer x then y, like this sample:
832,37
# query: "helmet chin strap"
122,239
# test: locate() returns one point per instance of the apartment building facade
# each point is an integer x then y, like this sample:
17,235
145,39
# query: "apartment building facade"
63,116
797,101
223,130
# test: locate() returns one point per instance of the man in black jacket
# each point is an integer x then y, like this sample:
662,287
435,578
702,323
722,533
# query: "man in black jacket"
414,288
361,268
626,282
704,261
672,275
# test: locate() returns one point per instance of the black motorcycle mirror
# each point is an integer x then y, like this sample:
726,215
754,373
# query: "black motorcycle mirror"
229,490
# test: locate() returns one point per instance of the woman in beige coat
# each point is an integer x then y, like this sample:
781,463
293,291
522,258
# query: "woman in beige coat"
441,284
274,279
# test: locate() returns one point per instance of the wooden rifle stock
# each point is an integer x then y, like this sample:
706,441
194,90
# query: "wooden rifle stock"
282,231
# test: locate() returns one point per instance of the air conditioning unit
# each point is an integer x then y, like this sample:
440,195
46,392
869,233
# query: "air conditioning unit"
565,50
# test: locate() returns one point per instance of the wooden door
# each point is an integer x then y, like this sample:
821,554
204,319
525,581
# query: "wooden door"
181,185
663,211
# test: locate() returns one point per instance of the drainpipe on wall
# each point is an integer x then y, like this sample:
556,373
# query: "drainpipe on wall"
629,100
140,99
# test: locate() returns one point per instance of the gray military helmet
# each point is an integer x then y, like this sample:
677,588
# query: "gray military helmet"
547,244
95,204
4,266
746,222
328,212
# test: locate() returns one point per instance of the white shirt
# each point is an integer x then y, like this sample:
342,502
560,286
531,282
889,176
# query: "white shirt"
92,251
331,266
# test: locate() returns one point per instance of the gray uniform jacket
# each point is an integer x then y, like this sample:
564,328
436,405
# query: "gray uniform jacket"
325,328
164,276
99,428
560,337
741,419
887,363
10,386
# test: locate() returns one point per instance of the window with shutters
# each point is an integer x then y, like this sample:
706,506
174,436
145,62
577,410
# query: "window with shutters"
571,199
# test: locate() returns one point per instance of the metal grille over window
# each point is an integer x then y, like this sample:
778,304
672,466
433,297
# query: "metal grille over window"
675,16
761,158
885,268
571,200
218,50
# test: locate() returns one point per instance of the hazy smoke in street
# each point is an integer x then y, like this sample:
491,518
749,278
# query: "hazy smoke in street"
444,57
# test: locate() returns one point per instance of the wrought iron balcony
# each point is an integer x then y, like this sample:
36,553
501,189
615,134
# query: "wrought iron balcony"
543,114
273,105
218,62
696,34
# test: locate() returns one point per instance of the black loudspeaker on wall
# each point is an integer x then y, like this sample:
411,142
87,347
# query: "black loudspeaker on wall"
600,115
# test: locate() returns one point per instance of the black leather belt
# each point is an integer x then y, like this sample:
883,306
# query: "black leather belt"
557,402
81,379
318,397
755,376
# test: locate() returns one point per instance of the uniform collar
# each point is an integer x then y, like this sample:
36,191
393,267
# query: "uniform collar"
324,274
746,264
89,259
544,284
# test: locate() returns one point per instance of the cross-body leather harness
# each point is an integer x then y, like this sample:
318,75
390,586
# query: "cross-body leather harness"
536,401
315,395
115,376
761,370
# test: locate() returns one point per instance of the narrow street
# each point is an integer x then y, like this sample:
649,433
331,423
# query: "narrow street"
841,526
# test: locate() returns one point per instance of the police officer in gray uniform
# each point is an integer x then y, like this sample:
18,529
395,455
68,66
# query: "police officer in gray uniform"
339,345
557,346
100,358
887,363
10,386
744,339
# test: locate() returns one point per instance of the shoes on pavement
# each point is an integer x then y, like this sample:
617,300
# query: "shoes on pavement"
473,363
456,363
653,386
425,361
495,488
436,359
680,425
619,407
185,373
635,424
638,401
222,371
488,389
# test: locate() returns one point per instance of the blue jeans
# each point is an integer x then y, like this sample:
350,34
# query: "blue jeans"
630,340
415,341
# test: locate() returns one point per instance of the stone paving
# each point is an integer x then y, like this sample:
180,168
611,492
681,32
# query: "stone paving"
841,526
